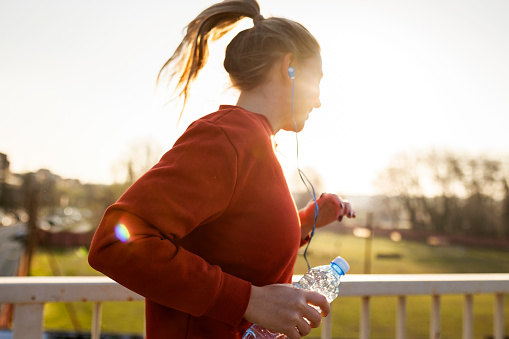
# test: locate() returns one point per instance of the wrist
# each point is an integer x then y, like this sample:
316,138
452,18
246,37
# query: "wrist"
250,314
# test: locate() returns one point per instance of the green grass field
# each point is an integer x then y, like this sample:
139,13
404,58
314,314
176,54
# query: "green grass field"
414,257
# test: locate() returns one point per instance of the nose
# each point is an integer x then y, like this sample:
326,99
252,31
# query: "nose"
318,103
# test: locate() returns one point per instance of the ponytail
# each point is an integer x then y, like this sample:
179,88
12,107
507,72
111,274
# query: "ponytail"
192,53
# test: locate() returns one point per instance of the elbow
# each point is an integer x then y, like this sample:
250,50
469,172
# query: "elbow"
95,258
102,247
102,250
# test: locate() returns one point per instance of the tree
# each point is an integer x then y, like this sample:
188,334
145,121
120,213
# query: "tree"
449,193
505,211
141,156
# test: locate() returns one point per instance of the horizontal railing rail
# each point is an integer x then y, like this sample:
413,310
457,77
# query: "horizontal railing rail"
29,294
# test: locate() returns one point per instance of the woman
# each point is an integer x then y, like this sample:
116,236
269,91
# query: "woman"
213,231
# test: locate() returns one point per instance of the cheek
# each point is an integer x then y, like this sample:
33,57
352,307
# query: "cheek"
316,93
310,94
303,91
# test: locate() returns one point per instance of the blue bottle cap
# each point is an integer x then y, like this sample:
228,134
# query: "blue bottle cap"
342,264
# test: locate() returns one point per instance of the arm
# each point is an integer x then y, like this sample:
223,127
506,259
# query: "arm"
188,187
331,208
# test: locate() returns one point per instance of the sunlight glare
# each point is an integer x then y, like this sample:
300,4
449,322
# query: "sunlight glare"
122,233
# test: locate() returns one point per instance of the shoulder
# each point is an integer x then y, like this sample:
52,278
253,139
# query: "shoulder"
237,124
230,131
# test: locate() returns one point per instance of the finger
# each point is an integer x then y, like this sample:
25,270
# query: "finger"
294,333
325,308
338,205
316,299
312,315
348,211
303,327
344,208
341,204
351,213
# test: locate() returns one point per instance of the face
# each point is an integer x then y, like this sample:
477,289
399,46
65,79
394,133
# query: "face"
308,75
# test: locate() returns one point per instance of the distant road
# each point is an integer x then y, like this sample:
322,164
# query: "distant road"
10,248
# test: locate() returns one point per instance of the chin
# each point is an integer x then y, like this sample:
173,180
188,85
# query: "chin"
300,127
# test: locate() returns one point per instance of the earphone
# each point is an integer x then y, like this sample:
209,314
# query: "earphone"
291,72
305,180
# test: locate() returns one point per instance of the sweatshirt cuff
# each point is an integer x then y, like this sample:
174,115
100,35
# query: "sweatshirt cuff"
231,302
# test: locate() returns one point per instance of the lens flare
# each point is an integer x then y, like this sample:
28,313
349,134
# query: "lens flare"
122,233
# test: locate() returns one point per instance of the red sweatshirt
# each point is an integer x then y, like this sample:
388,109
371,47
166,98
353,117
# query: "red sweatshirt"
213,217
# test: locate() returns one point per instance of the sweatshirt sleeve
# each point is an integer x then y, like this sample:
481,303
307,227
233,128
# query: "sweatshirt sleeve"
190,186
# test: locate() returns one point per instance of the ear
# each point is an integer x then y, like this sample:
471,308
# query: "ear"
287,61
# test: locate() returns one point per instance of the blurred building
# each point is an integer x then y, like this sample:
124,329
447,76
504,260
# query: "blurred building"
4,167
4,174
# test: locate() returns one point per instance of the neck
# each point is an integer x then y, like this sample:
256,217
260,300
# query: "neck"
263,101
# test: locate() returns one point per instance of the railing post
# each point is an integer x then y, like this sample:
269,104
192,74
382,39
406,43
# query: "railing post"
364,330
96,321
327,326
28,321
435,317
468,317
401,318
498,317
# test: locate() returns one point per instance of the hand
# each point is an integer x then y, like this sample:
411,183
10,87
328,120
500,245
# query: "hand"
331,208
284,309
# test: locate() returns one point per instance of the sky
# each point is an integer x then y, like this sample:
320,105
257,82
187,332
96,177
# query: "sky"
78,96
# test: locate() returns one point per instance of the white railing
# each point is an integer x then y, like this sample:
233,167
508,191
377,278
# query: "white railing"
29,294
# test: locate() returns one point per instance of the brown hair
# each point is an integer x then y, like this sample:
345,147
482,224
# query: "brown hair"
249,55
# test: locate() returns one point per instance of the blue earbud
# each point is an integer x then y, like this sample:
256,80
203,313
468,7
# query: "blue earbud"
291,72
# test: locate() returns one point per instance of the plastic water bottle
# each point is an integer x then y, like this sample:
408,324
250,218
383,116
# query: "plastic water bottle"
322,279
